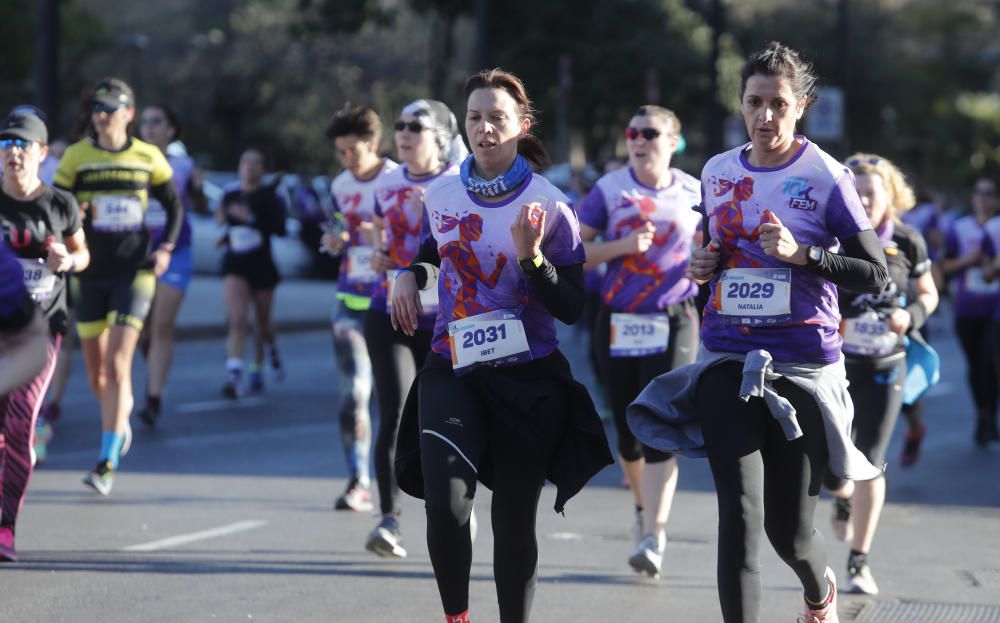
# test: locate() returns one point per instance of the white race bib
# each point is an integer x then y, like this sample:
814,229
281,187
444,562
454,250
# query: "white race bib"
243,239
635,335
39,280
428,297
494,338
868,335
975,283
359,265
156,215
117,213
756,296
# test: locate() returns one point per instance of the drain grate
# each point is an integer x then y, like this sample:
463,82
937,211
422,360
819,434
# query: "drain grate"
927,612
983,578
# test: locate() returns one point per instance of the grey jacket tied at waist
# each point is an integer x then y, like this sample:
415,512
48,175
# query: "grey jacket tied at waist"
664,415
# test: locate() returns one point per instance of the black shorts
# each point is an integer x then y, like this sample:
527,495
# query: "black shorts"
259,272
116,301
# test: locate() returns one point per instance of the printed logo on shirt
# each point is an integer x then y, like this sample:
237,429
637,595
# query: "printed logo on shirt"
798,189
454,421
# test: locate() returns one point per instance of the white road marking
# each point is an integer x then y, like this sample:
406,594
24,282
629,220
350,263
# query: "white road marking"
219,405
184,539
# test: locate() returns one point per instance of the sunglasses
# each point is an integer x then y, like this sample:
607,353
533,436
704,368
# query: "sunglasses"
413,126
98,107
20,143
646,133
856,162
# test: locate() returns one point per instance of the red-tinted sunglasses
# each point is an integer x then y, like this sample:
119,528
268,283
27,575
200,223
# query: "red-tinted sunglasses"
646,133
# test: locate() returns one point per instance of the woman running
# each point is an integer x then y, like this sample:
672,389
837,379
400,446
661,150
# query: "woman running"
495,402
356,134
873,329
767,400
112,174
42,226
647,324
251,214
974,302
430,148
159,126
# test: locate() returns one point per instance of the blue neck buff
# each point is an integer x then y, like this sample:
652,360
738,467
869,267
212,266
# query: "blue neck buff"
501,184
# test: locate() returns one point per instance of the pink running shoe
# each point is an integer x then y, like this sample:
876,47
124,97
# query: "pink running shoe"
828,614
7,552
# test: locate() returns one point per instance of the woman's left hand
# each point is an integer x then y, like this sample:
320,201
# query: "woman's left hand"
777,241
899,321
161,261
527,236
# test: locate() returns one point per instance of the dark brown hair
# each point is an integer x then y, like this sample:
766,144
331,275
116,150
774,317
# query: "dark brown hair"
780,60
359,121
529,145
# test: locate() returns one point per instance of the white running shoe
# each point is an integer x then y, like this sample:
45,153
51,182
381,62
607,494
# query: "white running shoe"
648,556
860,580
385,539
355,498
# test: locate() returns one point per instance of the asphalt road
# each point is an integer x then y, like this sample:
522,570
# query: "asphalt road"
224,513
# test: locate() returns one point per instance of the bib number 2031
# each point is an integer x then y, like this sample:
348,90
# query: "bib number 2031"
494,338
481,337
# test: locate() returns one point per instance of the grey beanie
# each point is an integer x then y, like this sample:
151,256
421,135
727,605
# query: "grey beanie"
439,118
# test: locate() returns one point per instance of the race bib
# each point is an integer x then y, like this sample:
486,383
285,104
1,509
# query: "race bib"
428,297
635,335
156,215
39,280
975,283
868,335
117,213
243,239
359,265
756,296
494,338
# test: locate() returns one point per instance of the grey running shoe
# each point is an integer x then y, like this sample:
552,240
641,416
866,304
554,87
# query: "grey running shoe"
101,478
385,539
648,556
860,580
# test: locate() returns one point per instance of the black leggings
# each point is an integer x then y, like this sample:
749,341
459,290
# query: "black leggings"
625,377
877,394
763,481
973,334
459,428
395,358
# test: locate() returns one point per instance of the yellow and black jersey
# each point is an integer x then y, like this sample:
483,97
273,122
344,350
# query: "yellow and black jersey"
115,187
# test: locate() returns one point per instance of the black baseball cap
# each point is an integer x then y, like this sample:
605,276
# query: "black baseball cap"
25,123
114,92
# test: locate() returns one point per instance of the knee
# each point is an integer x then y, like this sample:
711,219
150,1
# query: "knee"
452,511
114,371
788,543
162,330
97,380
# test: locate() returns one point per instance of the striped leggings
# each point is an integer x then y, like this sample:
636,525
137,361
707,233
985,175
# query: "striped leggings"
18,412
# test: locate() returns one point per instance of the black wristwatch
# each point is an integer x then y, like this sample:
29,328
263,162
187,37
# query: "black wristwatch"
814,255
531,264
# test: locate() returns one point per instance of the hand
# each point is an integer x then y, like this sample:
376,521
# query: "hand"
405,303
333,242
527,236
899,321
973,257
776,240
704,261
161,261
381,261
639,240
60,260
238,211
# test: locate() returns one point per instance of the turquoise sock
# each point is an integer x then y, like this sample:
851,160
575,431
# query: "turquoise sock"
111,447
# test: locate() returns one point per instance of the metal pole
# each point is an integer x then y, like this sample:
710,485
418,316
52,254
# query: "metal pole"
482,34
715,113
47,65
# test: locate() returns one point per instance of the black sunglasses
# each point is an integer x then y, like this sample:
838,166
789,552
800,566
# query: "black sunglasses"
855,162
110,109
413,126
646,133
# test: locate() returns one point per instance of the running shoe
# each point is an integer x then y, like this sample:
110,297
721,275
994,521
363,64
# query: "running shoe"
843,527
126,439
51,413
256,381
911,447
43,435
648,556
355,498
860,580
277,368
101,478
150,413
385,539
231,388
827,614
7,551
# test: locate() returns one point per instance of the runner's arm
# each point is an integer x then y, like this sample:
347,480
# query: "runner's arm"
560,289
861,267
166,194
